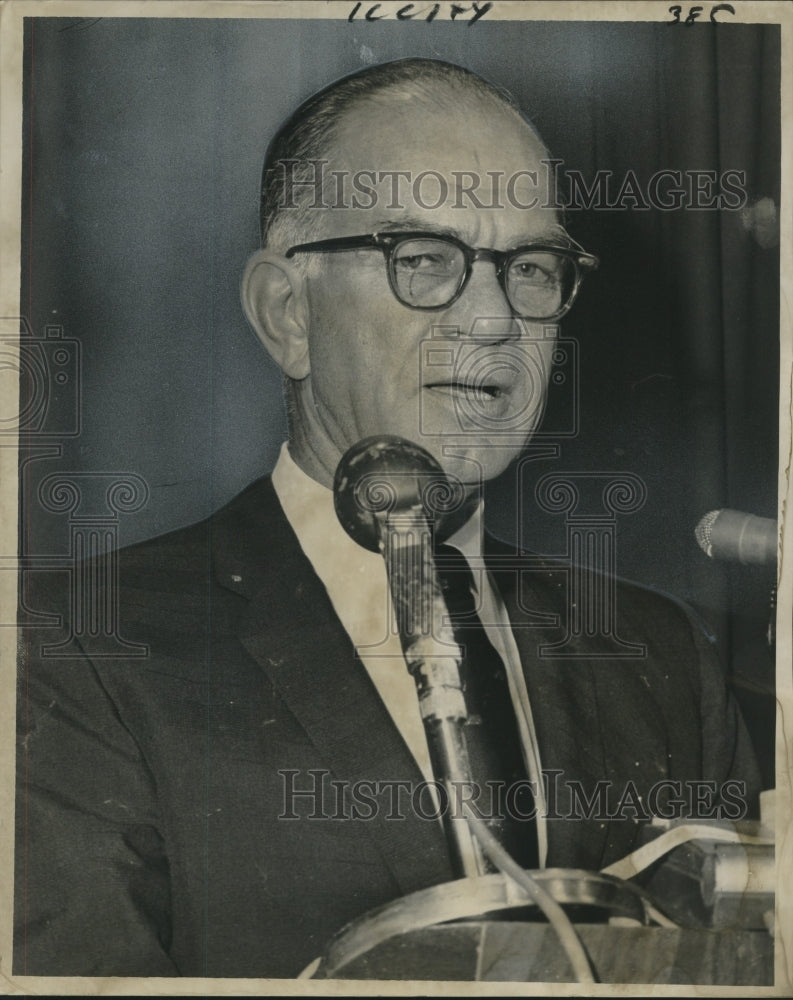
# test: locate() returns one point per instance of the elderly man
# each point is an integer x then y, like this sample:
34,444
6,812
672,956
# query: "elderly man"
224,804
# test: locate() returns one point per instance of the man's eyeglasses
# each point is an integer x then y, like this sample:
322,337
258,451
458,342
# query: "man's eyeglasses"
426,271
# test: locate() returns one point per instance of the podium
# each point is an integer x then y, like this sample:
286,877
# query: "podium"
485,929
497,951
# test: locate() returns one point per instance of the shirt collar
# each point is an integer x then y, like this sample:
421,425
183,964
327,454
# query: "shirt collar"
309,508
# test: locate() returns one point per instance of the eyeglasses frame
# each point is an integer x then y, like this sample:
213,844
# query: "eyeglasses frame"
388,242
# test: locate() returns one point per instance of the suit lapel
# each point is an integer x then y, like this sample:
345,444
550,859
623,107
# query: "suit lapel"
293,633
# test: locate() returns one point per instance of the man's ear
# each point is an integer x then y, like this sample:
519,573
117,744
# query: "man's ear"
275,303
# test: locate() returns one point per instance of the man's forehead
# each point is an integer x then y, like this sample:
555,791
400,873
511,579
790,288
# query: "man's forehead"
479,177
497,208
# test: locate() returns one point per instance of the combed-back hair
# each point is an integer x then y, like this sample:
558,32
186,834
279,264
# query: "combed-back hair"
308,135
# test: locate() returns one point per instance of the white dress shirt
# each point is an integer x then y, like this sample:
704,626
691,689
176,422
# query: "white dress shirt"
357,586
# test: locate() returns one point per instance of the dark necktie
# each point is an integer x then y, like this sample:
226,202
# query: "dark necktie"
494,744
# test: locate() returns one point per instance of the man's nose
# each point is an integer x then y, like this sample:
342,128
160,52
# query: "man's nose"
483,311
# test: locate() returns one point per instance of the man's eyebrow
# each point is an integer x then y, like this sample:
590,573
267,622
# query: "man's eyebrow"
556,235
409,224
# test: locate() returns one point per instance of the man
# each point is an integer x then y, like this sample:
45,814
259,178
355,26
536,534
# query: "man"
198,810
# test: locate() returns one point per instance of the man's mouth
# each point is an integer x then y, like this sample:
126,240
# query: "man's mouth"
475,390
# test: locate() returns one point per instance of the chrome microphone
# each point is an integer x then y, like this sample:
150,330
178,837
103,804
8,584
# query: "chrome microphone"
733,535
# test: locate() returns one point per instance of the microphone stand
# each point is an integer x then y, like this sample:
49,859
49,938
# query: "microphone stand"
433,659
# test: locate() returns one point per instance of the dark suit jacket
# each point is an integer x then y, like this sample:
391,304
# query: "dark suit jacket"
150,829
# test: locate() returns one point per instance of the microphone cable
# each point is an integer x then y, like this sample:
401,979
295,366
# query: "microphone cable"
557,918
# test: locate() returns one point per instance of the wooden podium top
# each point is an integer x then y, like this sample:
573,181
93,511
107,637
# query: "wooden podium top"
506,951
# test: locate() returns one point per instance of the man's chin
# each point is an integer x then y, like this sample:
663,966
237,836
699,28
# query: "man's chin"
474,462
471,459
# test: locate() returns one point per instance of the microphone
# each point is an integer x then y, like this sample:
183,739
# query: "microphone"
739,537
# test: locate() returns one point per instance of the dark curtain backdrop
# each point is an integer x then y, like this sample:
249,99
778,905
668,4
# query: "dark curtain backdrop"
143,142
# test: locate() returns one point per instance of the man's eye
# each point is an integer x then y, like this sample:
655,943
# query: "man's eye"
535,272
422,262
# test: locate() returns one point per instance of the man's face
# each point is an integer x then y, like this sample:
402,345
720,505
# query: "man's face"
466,381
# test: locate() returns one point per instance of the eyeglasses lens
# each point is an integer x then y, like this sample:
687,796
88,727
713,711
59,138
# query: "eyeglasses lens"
539,284
427,273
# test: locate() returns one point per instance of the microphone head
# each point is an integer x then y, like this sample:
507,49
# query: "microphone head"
704,532
385,473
